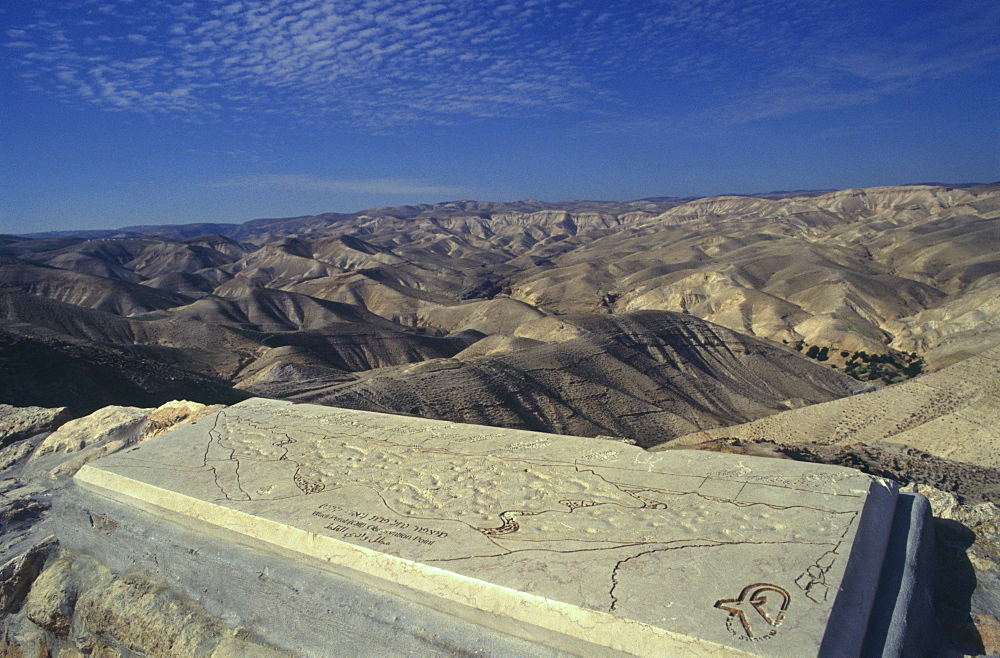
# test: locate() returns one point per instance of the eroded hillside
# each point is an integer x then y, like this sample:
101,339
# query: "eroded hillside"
498,313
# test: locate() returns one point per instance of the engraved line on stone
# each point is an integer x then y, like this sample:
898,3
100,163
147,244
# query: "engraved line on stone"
813,580
308,487
215,438
579,462
576,463
505,528
617,546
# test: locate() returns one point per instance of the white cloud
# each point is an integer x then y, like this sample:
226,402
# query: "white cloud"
308,183
379,63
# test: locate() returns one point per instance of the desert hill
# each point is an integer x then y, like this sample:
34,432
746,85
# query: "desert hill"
868,269
340,305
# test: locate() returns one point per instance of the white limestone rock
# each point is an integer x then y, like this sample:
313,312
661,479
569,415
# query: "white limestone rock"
17,423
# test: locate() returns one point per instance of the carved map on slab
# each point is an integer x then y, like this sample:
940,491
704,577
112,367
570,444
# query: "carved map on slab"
572,541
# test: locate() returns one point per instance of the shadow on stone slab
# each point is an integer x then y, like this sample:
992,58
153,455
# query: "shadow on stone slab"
903,620
956,583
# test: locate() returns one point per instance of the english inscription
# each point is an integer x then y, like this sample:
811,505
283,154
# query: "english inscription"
374,529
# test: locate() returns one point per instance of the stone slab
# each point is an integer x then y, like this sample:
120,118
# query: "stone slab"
586,545
286,600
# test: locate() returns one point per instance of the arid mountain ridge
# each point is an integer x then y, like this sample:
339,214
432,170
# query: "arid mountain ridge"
425,309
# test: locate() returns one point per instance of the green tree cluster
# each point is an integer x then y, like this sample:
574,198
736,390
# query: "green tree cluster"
889,368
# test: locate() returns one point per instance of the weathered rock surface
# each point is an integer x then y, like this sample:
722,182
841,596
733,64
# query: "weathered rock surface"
52,600
88,609
17,423
18,574
103,432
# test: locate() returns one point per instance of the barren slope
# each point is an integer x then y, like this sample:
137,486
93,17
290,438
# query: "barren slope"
646,376
84,377
953,414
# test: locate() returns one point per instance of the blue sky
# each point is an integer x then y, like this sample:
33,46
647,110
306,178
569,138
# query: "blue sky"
122,112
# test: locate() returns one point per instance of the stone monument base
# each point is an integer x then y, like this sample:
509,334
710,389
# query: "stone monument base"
331,531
